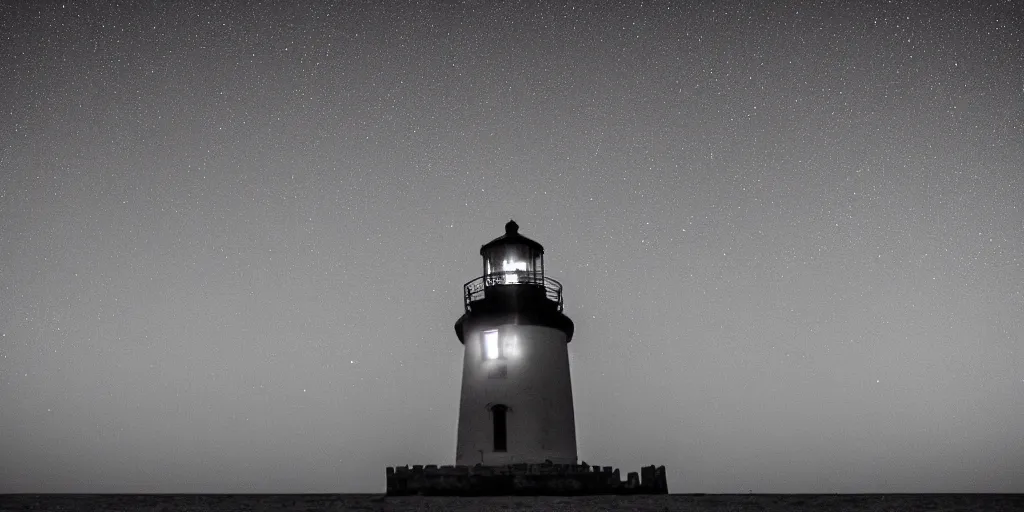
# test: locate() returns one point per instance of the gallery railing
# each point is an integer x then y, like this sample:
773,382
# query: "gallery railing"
477,288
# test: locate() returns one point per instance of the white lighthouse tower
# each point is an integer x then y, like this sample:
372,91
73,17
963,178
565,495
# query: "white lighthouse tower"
516,404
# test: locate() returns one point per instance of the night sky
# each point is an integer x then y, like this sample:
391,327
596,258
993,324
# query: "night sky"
233,237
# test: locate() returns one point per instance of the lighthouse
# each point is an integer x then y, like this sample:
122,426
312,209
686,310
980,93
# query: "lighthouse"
517,426
516,404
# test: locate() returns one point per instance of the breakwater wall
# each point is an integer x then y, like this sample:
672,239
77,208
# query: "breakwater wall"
522,479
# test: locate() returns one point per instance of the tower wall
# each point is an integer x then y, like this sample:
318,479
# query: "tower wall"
535,386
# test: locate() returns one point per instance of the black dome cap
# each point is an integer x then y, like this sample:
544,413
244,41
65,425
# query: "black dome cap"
511,237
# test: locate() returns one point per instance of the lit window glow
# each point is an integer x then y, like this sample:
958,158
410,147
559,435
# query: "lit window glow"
511,267
491,347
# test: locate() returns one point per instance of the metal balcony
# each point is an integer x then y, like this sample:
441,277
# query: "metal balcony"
476,289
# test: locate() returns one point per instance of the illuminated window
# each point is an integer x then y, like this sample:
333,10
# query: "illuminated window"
512,269
492,347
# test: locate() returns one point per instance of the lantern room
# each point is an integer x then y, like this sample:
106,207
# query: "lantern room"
513,276
513,259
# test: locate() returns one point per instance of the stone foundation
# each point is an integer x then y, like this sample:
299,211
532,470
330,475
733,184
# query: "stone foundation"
522,479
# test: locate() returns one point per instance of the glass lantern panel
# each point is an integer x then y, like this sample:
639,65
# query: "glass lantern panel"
513,262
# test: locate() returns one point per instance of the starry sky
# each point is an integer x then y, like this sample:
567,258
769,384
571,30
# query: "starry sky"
233,237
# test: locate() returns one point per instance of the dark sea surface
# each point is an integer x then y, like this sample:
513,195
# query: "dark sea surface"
330,502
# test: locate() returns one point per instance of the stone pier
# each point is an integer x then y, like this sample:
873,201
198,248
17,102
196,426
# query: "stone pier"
522,479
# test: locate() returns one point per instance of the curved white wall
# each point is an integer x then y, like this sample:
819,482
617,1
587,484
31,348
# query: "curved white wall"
537,389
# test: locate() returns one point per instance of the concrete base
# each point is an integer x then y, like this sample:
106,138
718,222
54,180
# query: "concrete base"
522,479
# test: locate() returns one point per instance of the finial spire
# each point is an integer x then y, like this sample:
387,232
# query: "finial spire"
511,227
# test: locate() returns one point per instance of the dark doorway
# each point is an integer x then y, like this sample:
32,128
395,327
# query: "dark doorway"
499,413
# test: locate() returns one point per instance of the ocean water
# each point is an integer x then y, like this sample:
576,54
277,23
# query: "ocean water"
372,502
